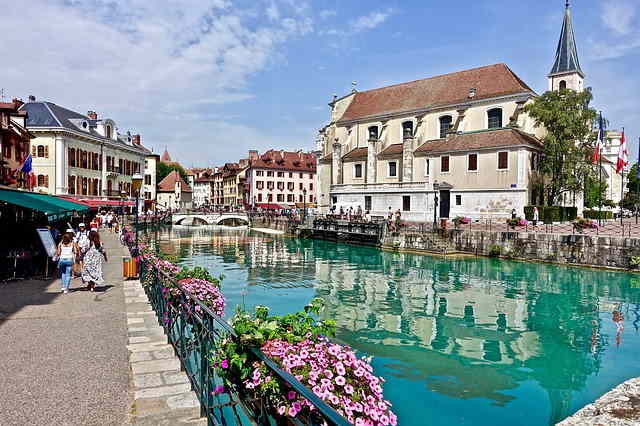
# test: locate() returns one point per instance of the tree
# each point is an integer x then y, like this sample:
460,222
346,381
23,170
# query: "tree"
569,142
633,185
163,169
593,196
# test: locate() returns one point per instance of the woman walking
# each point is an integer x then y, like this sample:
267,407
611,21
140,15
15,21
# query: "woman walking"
92,267
66,254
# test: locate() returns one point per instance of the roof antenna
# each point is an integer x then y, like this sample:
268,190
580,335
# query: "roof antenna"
353,86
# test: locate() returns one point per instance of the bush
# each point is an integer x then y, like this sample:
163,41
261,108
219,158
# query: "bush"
198,273
528,212
551,214
495,250
570,213
595,214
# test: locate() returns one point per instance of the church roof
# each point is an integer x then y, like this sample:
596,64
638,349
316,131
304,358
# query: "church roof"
566,54
485,139
450,89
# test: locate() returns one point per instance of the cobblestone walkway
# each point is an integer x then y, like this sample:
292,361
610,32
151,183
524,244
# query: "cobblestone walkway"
161,392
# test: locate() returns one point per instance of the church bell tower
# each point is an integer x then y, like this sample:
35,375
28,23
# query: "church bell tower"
566,72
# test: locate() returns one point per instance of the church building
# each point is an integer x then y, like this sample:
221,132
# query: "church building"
452,145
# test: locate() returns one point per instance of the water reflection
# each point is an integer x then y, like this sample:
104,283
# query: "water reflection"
473,341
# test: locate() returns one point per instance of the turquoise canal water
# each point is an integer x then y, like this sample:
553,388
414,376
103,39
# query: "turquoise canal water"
470,341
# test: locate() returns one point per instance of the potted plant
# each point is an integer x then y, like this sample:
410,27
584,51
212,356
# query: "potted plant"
461,220
518,221
580,224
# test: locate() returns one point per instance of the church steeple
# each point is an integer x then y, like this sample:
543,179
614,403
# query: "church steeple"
566,71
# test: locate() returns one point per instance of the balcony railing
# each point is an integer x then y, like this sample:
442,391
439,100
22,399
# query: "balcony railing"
194,335
382,186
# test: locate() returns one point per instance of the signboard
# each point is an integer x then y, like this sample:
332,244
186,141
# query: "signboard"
47,241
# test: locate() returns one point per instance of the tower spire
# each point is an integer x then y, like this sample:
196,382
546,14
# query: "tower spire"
566,54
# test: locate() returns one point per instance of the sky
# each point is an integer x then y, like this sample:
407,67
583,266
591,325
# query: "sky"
212,79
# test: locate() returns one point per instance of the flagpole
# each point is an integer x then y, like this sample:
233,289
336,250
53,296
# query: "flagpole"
622,185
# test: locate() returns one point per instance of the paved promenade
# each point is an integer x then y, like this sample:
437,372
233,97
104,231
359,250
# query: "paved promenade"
64,358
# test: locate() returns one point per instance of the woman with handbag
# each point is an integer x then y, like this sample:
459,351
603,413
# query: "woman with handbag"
92,265
66,254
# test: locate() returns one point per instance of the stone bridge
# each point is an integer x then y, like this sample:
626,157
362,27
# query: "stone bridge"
226,219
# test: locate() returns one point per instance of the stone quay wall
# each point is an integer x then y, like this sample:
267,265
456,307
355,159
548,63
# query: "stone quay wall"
597,251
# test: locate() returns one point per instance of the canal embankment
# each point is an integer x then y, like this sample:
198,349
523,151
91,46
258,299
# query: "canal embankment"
584,250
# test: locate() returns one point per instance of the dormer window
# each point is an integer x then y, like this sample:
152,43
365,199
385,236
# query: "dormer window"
494,118
407,129
563,84
85,124
373,133
107,131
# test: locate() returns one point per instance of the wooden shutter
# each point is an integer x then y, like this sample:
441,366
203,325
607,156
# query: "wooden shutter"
444,164
503,160
34,151
46,151
46,180
473,162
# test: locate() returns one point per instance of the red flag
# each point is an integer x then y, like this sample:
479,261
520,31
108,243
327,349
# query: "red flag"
623,155
597,152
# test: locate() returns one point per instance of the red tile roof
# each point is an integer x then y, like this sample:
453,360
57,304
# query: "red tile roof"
498,138
356,154
168,184
285,160
392,150
489,81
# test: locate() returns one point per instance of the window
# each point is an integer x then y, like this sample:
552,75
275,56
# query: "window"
259,184
72,157
367,203
40,150
563,85
445,125
406,203
494,118
301,198
444,164
41,180
72,184
503,160
269,198
358,170
458,200
280,198
427,166
269,185
259,198
301,186
107,131
334,199
269,174
290,198
311,186
280,174
373,133
301,175
280,186
147,179
393,169
290,174
310,176
290,186
407,129
259,173
472,162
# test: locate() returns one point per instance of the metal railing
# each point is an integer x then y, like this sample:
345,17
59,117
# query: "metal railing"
194,335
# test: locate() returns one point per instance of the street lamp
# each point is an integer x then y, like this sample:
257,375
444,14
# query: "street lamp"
436,186
136,183
304,204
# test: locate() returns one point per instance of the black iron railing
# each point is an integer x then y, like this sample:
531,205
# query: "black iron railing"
194,335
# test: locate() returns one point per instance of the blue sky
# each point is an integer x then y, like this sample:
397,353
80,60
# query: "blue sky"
212,79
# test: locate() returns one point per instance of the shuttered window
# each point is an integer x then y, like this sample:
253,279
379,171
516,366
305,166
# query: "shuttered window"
444,164
503,160
473,162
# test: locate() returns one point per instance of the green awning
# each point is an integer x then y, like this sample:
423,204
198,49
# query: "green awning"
54,208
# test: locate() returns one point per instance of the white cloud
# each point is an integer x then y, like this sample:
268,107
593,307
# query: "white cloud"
159,71
370,21
618,15
612,50
327,13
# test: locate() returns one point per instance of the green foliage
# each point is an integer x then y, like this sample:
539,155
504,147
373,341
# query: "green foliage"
635,261
163,169
630,201
528,212
569,141
551,214
199,273
596,191
570,213
633,185
596,214
495,250
168,257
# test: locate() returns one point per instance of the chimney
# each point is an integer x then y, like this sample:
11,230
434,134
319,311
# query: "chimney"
135,139
92,115
17,103
253,155
32,98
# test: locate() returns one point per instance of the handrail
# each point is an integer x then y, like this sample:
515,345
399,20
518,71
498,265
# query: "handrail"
329,415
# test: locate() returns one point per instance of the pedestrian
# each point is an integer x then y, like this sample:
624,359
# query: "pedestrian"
367,216
92,265
66,253
110,221
81,240
536,217
513,213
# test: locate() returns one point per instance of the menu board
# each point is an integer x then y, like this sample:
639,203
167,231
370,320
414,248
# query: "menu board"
47,241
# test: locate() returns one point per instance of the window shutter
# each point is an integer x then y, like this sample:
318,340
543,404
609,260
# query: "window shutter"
503,160
46,180
46,151
33,150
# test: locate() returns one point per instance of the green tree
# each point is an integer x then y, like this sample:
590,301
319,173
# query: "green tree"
633,185
569,141
163,169
595,192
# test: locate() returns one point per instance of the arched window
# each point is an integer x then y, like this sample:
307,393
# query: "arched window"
107,131
407,129
494,118
41,180
40,150
563,84
445,125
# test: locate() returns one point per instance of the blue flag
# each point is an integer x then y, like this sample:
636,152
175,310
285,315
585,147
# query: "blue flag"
26,166
638,163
